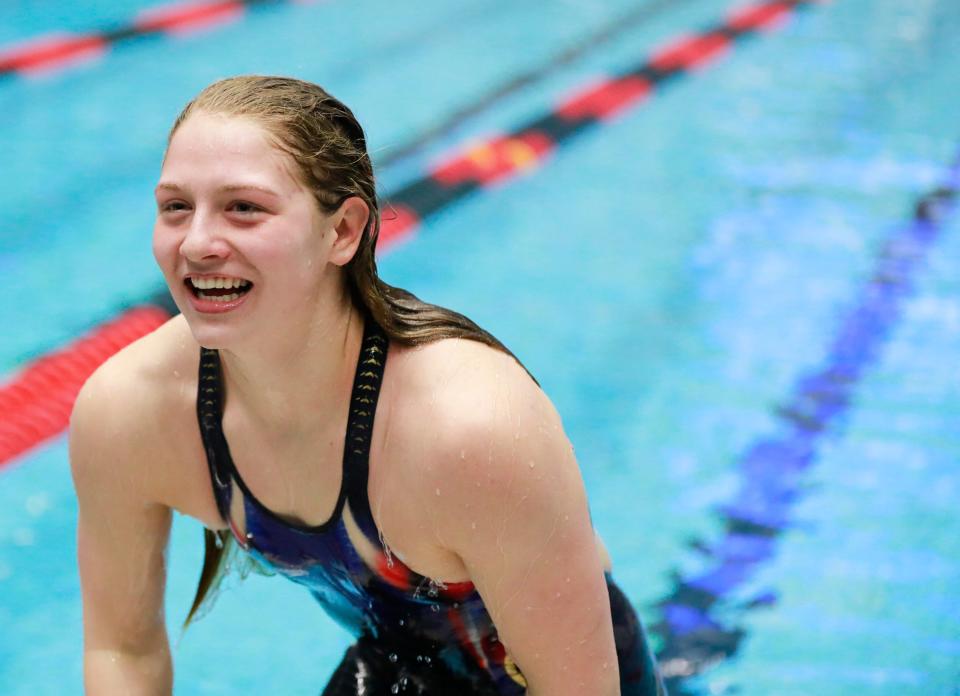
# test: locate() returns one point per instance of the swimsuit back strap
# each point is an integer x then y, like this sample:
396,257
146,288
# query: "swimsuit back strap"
209,413
363,406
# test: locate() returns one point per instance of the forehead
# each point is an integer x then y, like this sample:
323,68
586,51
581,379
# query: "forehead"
211,148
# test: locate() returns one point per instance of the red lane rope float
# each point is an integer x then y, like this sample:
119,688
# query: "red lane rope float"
496,159
37,55
41,413
187,16
691,52
59,50
605,99
36,405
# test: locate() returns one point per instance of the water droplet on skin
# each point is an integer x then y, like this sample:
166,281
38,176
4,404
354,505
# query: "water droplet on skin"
438,491
558,595
532,463
463,454
473,525
568,579
386,548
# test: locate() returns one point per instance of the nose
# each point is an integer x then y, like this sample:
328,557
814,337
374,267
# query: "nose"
203,240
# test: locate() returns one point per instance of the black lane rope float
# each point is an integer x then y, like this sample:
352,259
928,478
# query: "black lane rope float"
35,404
700,617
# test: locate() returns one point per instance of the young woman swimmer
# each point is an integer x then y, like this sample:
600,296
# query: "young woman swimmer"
389,455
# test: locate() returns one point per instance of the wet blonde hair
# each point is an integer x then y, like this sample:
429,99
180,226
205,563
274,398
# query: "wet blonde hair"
329,148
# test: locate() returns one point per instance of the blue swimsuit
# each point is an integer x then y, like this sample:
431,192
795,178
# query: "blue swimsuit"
414,635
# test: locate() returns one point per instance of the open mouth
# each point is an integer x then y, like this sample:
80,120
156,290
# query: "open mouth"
218,289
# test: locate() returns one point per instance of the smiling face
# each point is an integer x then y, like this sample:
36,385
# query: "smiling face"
241,242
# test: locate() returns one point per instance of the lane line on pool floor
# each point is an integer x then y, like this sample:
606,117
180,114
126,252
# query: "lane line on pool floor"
698,623
612,29
31,414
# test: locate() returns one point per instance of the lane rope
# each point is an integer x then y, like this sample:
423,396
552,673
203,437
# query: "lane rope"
490,163
36,405
503,157
611,30
59,50
700,616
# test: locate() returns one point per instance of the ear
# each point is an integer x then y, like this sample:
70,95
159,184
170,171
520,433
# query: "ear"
353,214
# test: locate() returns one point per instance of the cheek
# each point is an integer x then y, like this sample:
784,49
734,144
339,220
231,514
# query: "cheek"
164,248
303,258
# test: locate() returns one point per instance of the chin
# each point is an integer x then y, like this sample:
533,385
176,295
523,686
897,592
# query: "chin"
214,334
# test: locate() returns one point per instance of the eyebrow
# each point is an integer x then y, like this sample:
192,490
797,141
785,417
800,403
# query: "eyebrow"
227,188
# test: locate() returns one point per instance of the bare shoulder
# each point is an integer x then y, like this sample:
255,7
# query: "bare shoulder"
470,413
138,380
123,415
463,385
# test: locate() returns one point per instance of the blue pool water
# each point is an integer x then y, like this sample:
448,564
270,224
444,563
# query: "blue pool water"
669,277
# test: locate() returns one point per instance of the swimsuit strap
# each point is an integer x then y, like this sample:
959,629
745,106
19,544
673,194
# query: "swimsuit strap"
209,415
363,407
356,449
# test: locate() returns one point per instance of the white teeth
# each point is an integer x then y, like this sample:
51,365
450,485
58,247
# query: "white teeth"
219,298
218,282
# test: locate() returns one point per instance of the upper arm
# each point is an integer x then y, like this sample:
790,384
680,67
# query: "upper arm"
122,530
518,518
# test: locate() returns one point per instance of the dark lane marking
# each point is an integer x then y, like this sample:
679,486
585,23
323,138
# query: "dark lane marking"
699,626
495,161
616,27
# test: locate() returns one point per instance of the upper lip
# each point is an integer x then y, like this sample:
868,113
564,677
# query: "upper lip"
207,276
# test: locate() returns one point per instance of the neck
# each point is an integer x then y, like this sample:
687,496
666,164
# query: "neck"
299,382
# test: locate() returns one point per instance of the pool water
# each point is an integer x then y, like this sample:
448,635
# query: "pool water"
748,327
